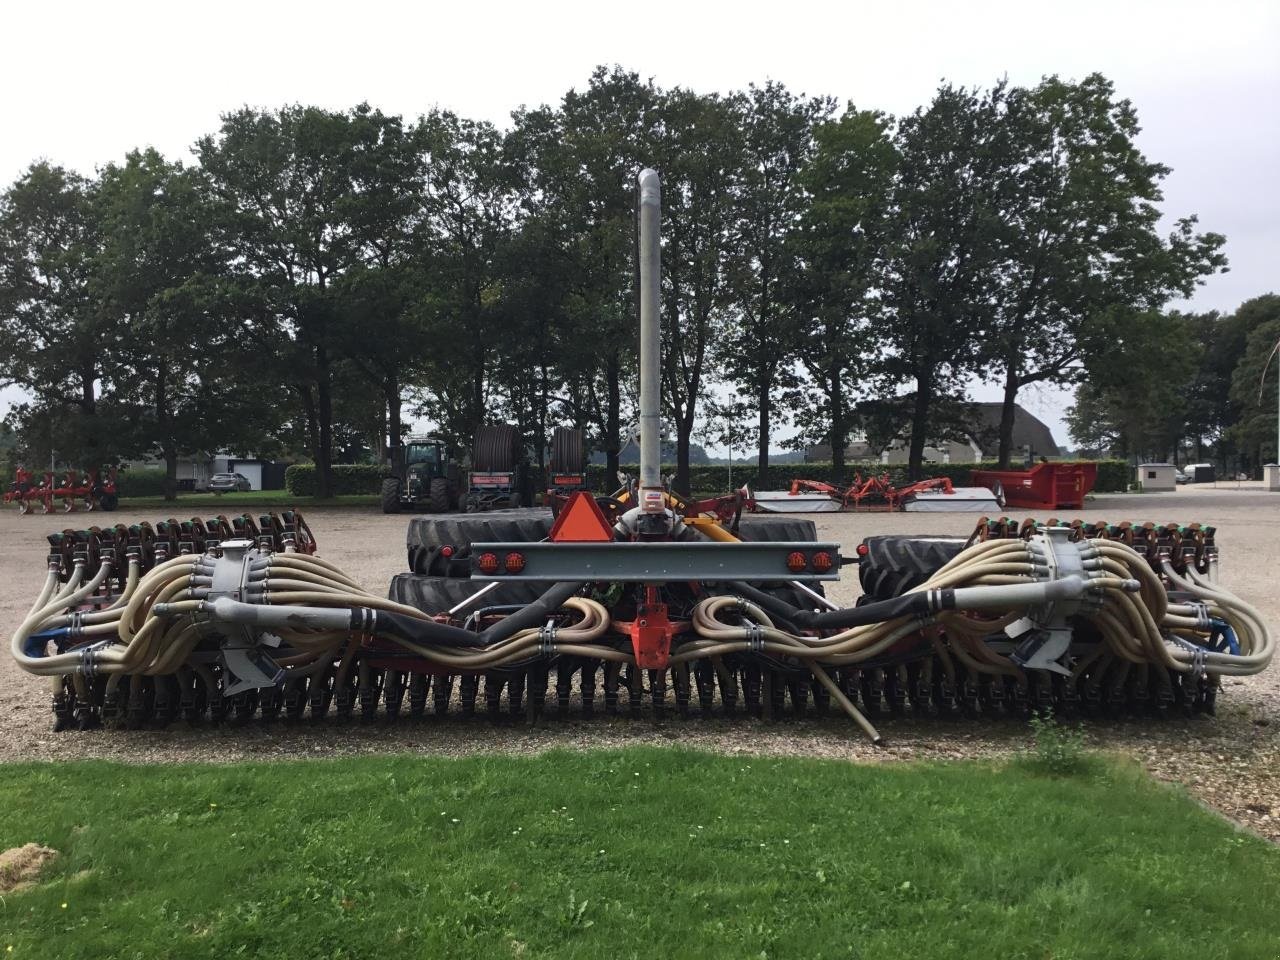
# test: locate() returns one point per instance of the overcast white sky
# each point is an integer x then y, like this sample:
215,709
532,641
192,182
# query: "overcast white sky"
83,82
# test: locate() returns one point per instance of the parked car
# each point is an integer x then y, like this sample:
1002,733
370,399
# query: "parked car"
229,483
1180,477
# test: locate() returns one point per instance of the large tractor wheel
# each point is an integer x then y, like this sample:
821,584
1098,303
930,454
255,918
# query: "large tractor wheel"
567,450
753,528
438,500
439,594
497,448
895,565
761,529
108,502
428,536
390,495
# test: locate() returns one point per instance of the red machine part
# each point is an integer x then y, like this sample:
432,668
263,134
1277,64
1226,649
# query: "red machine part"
876,491
74,487
933,483
651,631
1046,486
581,521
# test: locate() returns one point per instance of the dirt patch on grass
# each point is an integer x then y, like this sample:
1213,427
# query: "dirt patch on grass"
20,866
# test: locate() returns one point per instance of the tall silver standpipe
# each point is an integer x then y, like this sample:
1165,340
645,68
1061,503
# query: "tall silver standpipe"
652,500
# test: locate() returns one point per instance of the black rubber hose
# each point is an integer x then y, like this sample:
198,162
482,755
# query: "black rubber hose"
908,605
442,634
533,615
425,631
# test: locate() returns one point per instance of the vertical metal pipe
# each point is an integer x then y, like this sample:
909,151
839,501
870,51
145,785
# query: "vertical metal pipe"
651,494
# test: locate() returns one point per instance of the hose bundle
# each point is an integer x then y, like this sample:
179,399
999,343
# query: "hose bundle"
301,616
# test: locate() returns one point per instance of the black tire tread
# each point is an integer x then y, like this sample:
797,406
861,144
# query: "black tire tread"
426,535
754,528
390,495
438,594
894,565
438,500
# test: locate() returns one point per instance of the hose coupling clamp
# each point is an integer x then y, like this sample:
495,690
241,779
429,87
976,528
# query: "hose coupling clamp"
1199,656
1203,620
755,637
89,660
547,638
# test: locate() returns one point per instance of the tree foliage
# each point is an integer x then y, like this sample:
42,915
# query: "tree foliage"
1078,242
848,272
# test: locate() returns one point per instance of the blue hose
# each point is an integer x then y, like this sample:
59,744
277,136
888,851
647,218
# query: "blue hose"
34,647
1223,638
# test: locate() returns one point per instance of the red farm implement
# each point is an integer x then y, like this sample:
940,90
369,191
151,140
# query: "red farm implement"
74,489
874,493
1046,486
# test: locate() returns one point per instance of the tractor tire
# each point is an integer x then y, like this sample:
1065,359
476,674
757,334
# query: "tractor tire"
497,448
568,451
390,495
754,528
438,500
437,594
108,502
772,529
428,535
895,565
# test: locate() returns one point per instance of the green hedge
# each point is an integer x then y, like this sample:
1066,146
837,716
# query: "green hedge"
140,482
301,479
1113,475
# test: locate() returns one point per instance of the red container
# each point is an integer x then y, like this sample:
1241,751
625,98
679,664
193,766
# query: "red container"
1046,486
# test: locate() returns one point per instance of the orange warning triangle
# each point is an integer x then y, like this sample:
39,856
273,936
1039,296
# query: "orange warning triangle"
581,521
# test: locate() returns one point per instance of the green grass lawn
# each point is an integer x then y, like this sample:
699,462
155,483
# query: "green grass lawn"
215,503
634,853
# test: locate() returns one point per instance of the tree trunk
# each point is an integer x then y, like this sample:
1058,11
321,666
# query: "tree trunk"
1007,412
324,418
613,420
168,448
309,416
391,393
89,408
88,401
762,447
170,472
684,431
839,436
920,425
540,426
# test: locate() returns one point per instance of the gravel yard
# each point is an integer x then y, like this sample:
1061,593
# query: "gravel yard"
1231,761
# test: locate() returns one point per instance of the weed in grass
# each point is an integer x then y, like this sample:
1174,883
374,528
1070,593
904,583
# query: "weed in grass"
1058,749
575,916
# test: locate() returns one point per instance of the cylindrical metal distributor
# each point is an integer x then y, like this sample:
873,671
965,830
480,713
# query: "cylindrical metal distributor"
650,253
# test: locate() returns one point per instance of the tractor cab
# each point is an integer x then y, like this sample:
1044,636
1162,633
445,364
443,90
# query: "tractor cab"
424,458
421,476
424,461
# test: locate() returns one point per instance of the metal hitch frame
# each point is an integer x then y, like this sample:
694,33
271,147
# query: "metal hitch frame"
655,562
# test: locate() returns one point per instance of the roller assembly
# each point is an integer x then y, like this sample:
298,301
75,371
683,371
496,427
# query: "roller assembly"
137,627
643,601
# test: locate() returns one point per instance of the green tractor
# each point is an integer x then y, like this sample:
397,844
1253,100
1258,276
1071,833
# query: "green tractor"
422,477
